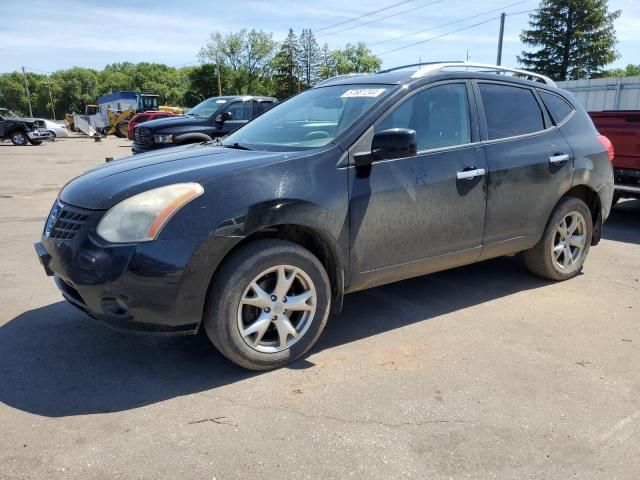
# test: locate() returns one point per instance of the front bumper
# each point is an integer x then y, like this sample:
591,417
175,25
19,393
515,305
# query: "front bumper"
151,287
39,135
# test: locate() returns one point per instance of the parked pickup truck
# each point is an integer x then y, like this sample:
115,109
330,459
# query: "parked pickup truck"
214,118
22,130
623,129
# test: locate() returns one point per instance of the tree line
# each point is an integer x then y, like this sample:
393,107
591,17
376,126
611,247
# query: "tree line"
244,62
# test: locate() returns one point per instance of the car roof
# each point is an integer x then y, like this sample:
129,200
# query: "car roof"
413,73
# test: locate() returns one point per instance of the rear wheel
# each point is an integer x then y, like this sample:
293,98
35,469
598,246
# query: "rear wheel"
563,248
19,138
268,304
52,135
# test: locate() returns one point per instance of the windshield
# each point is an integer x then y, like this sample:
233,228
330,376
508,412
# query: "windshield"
207,108
309,120
7,113
149,102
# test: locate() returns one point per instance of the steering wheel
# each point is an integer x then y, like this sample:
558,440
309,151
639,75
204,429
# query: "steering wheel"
316,135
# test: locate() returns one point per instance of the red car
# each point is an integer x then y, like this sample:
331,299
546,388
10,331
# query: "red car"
623,129
145,117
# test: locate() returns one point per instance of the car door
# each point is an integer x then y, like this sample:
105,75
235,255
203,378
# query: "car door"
530,166
417,214
240,114
2,127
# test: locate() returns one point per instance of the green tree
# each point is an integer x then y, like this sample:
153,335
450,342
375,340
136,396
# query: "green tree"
630,70
244,58
355,59
571,39
327,66
202,83
286,67
74,89
309,58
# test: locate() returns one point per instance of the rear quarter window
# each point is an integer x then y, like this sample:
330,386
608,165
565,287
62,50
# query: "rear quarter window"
510,111
558,107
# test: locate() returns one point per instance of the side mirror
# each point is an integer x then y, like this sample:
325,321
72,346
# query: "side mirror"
389,144
224,117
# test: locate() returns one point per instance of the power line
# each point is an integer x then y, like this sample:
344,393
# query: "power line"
452,23
438,36
329,27
382,18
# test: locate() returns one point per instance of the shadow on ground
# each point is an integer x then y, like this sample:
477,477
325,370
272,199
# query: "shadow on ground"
56,361
623,225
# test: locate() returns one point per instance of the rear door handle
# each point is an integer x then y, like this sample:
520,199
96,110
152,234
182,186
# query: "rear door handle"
469,174
558,158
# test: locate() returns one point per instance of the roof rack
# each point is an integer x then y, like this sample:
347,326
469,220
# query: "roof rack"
421,64
483,67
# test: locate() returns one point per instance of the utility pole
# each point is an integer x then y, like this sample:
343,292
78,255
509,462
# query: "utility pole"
26,86
500,37
218,71
53,111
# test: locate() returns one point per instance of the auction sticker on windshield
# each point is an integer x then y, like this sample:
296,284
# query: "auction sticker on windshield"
363,92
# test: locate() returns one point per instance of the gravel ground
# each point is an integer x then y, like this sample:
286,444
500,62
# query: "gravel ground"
479,372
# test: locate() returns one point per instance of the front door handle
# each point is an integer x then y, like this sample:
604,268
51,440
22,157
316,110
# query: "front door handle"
558,158
470,174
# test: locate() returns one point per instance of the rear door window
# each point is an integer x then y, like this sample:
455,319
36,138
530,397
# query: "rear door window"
510,111
558,108
260,107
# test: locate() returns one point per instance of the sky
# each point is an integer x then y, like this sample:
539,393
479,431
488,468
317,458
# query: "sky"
65,33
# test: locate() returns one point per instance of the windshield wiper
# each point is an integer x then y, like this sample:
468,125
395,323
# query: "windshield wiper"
237,146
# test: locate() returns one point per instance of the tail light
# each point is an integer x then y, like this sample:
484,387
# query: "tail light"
606,143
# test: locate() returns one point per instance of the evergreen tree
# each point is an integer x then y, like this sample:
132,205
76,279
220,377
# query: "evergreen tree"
287,69
571,38
309,58
327,64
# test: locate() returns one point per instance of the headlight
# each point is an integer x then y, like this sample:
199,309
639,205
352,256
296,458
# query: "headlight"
141,218
163,138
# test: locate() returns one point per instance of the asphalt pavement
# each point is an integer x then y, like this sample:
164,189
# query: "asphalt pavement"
479,372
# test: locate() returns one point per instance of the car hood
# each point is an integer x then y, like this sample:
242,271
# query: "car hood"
27,120
103,187
173,122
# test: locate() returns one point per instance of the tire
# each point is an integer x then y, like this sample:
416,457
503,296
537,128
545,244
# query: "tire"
226,311
122,129
558,256
36,142
53,135
19,138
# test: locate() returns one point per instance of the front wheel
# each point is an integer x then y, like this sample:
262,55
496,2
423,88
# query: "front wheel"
19,138
268,304
563,248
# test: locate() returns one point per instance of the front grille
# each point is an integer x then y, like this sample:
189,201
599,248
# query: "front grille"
67,224
143,136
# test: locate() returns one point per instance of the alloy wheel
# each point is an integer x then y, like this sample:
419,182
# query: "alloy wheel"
569,241
19,138
277,308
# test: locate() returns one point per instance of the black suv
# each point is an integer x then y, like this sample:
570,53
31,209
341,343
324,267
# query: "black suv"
22,131
213,118
357,182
